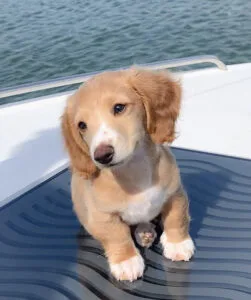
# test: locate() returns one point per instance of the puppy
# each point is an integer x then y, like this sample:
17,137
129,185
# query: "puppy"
115,127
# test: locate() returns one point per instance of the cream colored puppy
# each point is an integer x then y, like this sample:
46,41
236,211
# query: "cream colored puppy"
114,128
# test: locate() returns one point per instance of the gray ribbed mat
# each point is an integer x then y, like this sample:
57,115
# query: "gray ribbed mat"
44,254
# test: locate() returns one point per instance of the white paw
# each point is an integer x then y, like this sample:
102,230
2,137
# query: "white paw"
129,269
177,251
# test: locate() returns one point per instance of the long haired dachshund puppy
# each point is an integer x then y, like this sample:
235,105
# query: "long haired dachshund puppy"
116,128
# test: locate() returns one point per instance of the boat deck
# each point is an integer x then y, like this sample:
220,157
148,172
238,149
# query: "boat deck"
45,254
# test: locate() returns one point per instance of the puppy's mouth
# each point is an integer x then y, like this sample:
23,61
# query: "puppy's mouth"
125,160
116,164
111,164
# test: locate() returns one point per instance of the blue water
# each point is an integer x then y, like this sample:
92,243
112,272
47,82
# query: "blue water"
43,39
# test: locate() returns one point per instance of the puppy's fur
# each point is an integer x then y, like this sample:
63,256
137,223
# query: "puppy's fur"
143,179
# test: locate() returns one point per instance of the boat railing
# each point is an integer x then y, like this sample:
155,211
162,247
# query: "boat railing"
75,79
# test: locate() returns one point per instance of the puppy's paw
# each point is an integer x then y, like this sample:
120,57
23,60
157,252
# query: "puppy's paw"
145,234
129,269
177,251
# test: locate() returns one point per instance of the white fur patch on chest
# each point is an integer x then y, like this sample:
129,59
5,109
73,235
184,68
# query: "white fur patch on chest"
146,206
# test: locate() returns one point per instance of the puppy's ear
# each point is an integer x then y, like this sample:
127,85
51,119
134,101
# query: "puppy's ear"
80,159
161,96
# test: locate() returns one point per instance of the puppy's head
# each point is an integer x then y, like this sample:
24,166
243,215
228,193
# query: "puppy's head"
109,116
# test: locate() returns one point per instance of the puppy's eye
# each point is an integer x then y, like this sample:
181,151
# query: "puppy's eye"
118,108
82,125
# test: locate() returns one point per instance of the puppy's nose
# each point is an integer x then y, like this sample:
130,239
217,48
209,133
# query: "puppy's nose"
104,154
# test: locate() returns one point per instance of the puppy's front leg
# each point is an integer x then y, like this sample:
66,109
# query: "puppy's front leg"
175,239
124,259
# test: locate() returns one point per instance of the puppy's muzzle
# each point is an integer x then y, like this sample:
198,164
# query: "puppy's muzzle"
104,154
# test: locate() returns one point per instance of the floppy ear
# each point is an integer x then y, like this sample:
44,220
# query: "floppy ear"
161,96
80,159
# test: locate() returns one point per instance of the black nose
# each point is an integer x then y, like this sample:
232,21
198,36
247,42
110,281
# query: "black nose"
104,154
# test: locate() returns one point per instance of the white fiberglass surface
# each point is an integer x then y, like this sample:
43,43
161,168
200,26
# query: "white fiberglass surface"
216,112
215,117
31,144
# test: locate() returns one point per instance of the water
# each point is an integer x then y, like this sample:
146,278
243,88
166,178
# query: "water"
45,39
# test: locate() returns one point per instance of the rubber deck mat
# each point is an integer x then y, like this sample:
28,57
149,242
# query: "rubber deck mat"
46,255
